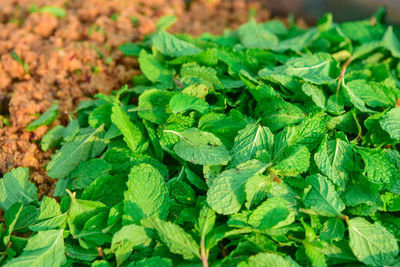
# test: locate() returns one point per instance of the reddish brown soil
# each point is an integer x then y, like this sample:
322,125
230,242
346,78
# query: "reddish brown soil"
61,54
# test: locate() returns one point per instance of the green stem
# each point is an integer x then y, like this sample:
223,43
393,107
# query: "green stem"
203,252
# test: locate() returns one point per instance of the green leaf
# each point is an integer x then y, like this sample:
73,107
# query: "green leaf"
272,213
165,22
145,183
309,133
176,239
195,180
333,230
379,169
130,49
279,113
10,218
133,132
87,172
153,262
45,119
192,73
292,161
256,189
72,153
101,115
79,253
52,138
314,254
335,159
176,123
271,260
49,217
181,103
206,221
16,187
316,93
223,126
200,147
362,31
321,196
44,249
266,140
250,141
55,222
391,42
182,192
107,189
372,244
226,193
171,46
20,61
100,263
318,68
390,123
253,35
297,43
154,141
153,69
153,105
48,208
373,94
128,238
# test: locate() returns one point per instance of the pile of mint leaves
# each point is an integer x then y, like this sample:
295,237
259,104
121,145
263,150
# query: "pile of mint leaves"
265,146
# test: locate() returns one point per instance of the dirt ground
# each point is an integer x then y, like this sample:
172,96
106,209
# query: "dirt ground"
64,62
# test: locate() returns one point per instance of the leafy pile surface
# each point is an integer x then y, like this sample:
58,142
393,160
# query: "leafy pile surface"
265,146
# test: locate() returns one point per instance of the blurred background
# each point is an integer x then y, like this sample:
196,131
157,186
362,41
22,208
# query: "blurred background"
342,10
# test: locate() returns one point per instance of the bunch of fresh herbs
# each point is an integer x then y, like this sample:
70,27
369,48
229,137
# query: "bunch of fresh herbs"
265,146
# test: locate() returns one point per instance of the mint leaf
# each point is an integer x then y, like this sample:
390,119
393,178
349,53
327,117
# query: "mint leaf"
321,196
45,248
133,132
250,141
16,187
73,152
52,138
272,213
11,217
153,69
391,42
171,46
128,238
389,123
45,119
279,114
372,244
200,147
130,49
335,159
254,35
270,259
292,161
226,192
145,183
87,172
379,169
153,105
180,103
177,240
333,229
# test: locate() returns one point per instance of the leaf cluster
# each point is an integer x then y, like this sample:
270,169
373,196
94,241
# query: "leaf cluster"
265,146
